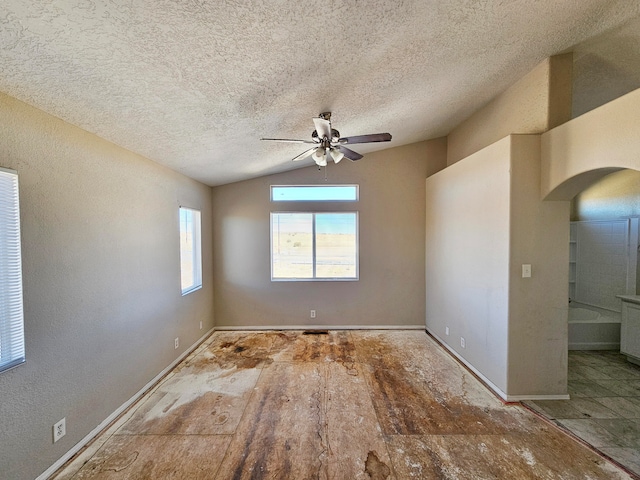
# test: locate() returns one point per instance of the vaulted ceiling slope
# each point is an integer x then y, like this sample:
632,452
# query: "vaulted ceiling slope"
194,84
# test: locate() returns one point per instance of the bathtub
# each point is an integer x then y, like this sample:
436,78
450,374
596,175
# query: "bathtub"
592,328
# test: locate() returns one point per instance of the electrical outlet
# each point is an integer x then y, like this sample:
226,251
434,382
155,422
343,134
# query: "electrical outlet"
462,343
446,330
313,314
59,430
200,324
526,271
176,342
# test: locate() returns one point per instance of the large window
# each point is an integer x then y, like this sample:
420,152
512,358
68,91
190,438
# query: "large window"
11,313
314,246
190,250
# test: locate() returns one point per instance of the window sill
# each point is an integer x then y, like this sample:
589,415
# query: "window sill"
191,290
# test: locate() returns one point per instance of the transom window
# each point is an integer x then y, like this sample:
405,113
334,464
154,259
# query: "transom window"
311,193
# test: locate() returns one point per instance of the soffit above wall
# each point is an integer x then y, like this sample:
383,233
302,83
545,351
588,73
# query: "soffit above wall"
194,85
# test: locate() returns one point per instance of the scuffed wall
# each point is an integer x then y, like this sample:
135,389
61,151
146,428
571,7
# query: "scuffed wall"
484,220
467,259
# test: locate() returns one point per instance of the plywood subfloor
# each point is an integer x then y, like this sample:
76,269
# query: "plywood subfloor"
345,405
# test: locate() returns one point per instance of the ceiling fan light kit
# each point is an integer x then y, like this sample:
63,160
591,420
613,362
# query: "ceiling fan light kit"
320,157
329,142
337,155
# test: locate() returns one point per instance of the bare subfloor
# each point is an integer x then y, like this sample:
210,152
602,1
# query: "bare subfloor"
346,405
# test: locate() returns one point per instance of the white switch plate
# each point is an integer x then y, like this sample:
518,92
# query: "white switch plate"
201,325
446,330
526,271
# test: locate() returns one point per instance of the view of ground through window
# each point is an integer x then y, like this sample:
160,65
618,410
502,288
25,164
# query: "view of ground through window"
335,249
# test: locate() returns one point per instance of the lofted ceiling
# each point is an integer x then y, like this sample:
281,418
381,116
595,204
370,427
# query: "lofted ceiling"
194,84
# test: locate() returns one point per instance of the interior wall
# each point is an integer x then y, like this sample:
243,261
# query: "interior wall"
580,152
539,236
615,196
467,259
391,288
537,102
484,220
101,274
606,67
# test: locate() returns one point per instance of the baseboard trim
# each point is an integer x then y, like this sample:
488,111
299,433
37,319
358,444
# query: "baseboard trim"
505,397
318,327
594,346
521,398
119,411
475,371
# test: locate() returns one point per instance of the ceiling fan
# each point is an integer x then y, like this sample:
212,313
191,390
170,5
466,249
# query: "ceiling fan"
328,142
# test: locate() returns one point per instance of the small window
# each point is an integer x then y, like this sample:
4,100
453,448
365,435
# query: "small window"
314,246
310,193
11,311
190,250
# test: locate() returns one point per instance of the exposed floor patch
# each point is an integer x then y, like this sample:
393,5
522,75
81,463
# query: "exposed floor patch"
343,405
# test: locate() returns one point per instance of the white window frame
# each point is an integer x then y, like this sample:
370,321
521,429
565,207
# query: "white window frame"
314,278
192,257
12,348
311,187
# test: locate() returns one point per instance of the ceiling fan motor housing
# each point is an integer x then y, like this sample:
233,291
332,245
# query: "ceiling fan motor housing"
335,136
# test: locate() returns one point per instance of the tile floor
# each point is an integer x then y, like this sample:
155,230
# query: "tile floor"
345,405
604,409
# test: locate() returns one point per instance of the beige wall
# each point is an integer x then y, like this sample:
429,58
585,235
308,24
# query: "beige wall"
538,305
615,196
391,245
101,282
606,67
484,221
537,102
467,259
587,148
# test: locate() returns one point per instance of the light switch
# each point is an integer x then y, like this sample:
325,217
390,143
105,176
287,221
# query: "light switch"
526,271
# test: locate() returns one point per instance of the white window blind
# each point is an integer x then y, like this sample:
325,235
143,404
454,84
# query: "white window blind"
11,313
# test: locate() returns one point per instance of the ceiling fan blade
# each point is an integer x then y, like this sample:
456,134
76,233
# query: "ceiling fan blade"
288,140
374,137
304,154
350,154
323,127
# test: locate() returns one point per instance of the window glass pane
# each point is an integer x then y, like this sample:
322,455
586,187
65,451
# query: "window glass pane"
336,245
348,193
292,245
11,311
190,250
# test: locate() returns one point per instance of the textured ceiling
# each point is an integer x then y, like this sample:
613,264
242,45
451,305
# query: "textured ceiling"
194,84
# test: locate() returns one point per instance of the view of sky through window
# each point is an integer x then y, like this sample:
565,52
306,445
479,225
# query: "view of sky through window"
323,193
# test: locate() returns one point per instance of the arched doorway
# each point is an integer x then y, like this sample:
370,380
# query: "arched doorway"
594,162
